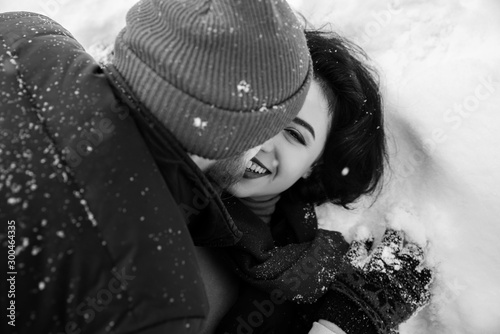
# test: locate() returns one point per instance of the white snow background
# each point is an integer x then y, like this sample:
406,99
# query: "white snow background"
439,64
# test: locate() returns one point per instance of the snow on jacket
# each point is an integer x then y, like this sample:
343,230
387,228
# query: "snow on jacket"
99,202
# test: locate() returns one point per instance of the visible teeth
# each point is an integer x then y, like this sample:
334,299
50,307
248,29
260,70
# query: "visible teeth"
255,168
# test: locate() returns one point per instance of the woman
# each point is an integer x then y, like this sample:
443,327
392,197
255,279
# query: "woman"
333,151
339,150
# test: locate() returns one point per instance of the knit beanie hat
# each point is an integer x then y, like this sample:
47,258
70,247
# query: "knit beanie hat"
222,75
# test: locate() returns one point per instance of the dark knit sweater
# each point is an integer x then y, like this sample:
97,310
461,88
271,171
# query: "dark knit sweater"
263,209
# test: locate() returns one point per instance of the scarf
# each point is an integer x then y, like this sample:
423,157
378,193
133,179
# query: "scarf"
290,256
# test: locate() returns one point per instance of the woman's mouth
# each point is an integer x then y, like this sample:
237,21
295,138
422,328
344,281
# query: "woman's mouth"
255,169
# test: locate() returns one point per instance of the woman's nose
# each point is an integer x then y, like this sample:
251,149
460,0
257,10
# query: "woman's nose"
269,155
268,146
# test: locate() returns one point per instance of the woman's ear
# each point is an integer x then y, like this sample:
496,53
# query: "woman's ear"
307,173
310,169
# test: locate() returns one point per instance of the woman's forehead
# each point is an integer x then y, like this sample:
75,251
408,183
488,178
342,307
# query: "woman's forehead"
315,111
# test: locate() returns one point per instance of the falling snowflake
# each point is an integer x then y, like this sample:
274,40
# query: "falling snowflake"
13,200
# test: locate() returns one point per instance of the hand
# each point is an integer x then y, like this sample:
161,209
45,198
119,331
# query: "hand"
325,327
381,290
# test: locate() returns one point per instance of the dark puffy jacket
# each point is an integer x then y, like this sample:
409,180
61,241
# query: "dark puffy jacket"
95,195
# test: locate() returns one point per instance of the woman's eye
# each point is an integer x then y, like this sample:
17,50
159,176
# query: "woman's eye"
296,136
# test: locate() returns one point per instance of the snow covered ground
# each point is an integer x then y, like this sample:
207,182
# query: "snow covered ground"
439,63
440,69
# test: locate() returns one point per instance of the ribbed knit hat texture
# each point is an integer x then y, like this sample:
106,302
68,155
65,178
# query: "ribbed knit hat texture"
222,75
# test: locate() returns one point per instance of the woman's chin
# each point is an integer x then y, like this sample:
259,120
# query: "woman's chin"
243,190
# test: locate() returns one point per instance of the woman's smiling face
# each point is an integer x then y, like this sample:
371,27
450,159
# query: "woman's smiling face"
289,155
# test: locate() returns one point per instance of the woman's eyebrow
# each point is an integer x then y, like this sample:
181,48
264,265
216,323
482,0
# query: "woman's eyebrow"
304,124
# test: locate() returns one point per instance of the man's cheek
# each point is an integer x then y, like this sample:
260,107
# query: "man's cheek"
232,170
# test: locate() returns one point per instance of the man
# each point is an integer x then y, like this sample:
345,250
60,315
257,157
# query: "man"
101,170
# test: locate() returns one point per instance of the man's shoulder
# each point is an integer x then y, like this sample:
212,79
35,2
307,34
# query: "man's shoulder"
56,78
18,27
44,52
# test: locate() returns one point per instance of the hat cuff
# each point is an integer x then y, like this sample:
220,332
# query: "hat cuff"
203,129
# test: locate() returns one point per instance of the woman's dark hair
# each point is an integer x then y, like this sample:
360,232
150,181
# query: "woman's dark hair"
353,159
